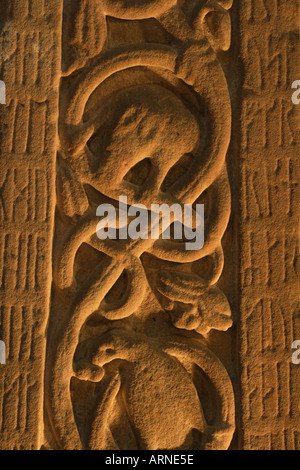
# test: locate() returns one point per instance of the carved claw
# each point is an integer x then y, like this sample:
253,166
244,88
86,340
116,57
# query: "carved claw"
196,305
186,317
84,370
219,437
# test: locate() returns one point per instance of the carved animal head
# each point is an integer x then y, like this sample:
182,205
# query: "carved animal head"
147,122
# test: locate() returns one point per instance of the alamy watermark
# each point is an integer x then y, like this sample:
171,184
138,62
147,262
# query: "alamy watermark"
136,222
2,353
2,92
296,94
296,354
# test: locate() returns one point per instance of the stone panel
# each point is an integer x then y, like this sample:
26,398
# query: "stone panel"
30,68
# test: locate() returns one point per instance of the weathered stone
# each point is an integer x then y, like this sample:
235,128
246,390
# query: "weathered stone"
140,343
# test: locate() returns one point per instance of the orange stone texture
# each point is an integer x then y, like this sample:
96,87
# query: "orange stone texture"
139,343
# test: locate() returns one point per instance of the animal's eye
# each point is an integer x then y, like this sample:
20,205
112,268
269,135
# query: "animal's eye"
139,173
178,170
